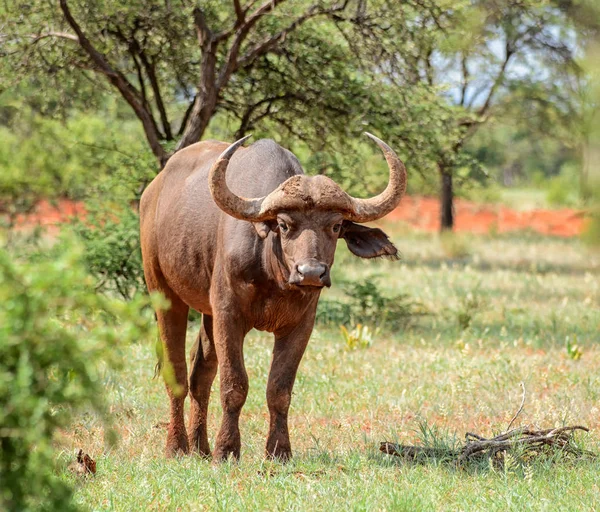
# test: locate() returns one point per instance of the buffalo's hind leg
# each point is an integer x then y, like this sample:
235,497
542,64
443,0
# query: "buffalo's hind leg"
173,324
202,374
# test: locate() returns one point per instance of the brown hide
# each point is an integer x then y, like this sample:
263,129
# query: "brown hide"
240,275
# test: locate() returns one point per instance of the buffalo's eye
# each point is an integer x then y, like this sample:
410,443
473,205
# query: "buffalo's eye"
336,228
283,227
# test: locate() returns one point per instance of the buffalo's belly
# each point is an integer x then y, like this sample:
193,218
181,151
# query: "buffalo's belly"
188,274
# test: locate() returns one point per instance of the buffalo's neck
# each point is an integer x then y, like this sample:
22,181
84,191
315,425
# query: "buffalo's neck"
277,306
273,263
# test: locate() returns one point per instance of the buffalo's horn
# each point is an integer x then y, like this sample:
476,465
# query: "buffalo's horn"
238,207
367,210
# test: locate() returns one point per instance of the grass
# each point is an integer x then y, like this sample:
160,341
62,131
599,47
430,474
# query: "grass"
524,295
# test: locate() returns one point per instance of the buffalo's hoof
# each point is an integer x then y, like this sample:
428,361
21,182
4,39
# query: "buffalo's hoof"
177,445
221,454
279,454
199,446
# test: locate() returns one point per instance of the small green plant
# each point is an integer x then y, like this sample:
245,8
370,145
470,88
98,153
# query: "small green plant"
591,233
366,304
359,337
574,351
454,246
469,304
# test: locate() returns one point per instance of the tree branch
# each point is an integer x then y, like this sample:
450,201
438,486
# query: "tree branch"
118,80
203,32
62,35
150,68
465,79
186,116
269,43
140,76
231,60
509,52
239,13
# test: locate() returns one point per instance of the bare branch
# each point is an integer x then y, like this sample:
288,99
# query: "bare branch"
186,116
140,76
231,60
465,79
509,52
150,68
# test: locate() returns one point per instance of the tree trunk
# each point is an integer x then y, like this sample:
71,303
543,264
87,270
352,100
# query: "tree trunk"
201,114
446,199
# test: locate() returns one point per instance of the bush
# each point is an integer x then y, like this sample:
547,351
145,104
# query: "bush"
110,232
455,246
365,304
564,189
54,334
112,250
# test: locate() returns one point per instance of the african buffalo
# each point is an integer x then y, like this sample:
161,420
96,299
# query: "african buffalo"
248,240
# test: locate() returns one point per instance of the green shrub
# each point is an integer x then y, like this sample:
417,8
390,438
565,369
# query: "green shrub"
564,189
591,233
110,232
455,246
359,337
112,250
365,304
55,335
558,193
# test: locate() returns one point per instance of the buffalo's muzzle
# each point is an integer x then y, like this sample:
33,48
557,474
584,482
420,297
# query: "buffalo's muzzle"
310,273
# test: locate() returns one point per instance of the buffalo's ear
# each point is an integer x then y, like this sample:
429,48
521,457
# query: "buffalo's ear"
367,242
263,228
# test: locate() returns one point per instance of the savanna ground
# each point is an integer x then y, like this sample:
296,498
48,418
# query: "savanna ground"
501,310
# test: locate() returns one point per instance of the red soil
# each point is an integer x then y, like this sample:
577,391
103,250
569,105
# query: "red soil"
422,213
49,215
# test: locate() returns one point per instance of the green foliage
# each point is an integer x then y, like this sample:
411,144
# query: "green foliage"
441,443
564,189
110,231
469,304
112,250
366,305
591,234
43,157
454,246
56,335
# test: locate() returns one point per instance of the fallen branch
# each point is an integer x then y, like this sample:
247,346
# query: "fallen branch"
527,440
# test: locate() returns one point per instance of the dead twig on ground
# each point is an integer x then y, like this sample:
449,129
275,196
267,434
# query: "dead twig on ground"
526,440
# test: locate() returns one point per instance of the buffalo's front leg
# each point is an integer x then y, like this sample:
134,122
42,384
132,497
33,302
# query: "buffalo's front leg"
202,374
287,353
229,342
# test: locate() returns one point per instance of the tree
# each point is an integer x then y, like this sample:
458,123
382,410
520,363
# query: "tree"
469,52
171,62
